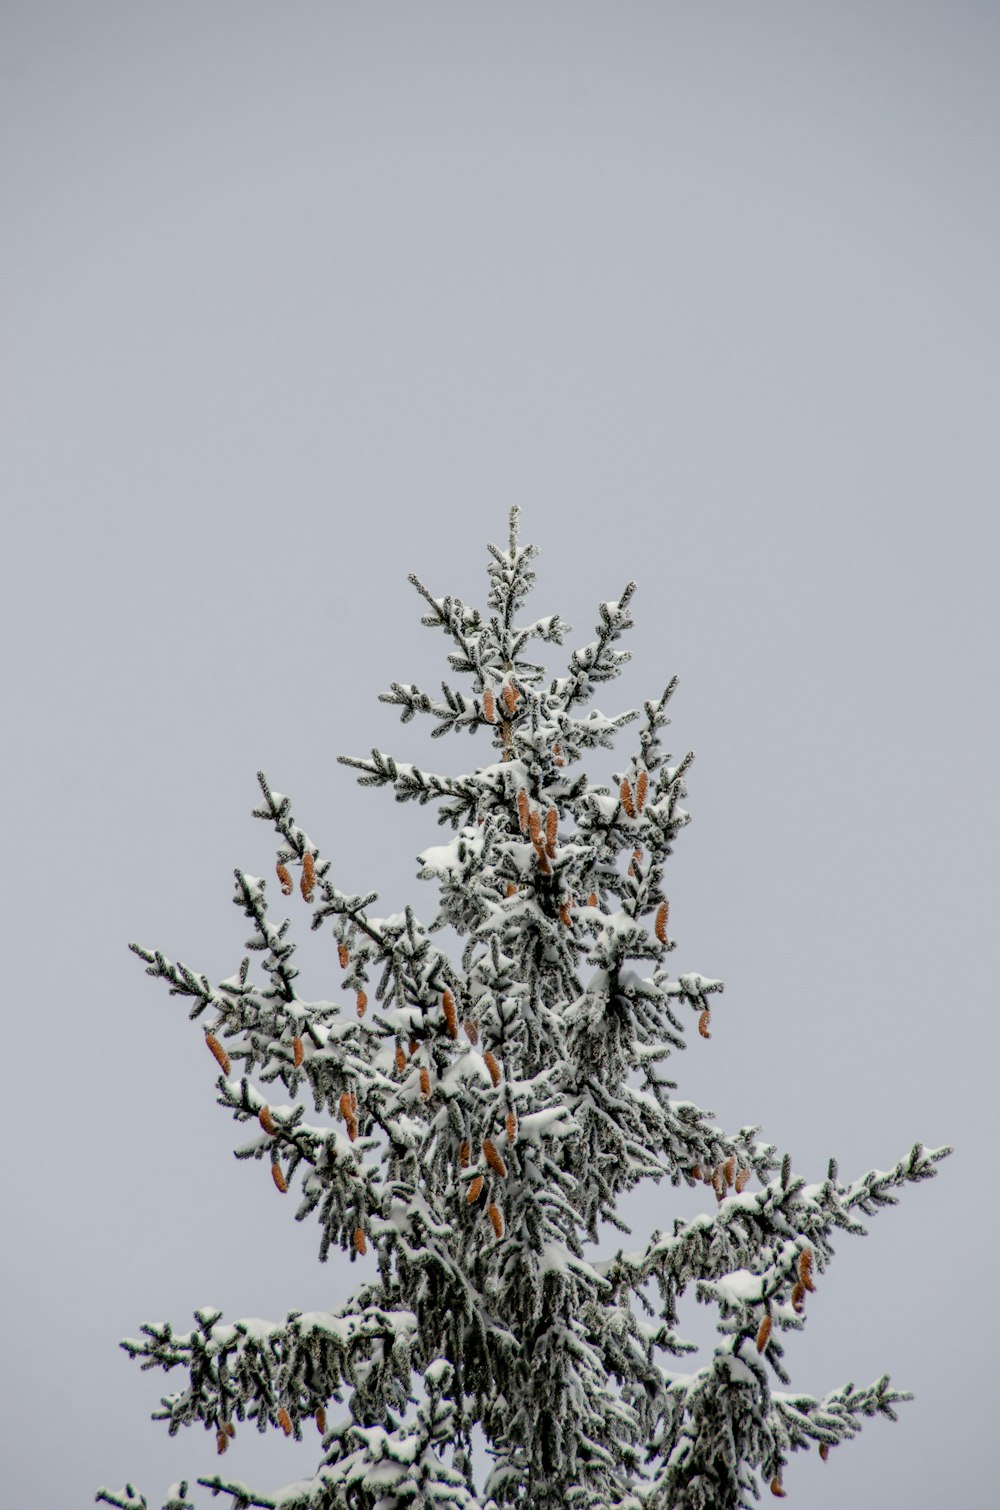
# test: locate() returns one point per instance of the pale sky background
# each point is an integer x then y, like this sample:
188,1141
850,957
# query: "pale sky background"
300,298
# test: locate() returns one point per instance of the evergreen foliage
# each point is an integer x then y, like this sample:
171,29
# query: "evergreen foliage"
477,1119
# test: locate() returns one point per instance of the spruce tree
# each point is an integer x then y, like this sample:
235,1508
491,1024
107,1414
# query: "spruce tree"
478,1118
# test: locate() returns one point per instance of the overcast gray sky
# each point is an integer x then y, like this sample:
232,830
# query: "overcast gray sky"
298,299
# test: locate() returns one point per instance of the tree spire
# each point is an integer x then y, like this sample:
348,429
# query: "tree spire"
472,1121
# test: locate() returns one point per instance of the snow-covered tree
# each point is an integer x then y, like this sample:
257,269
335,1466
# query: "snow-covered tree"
478,1118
